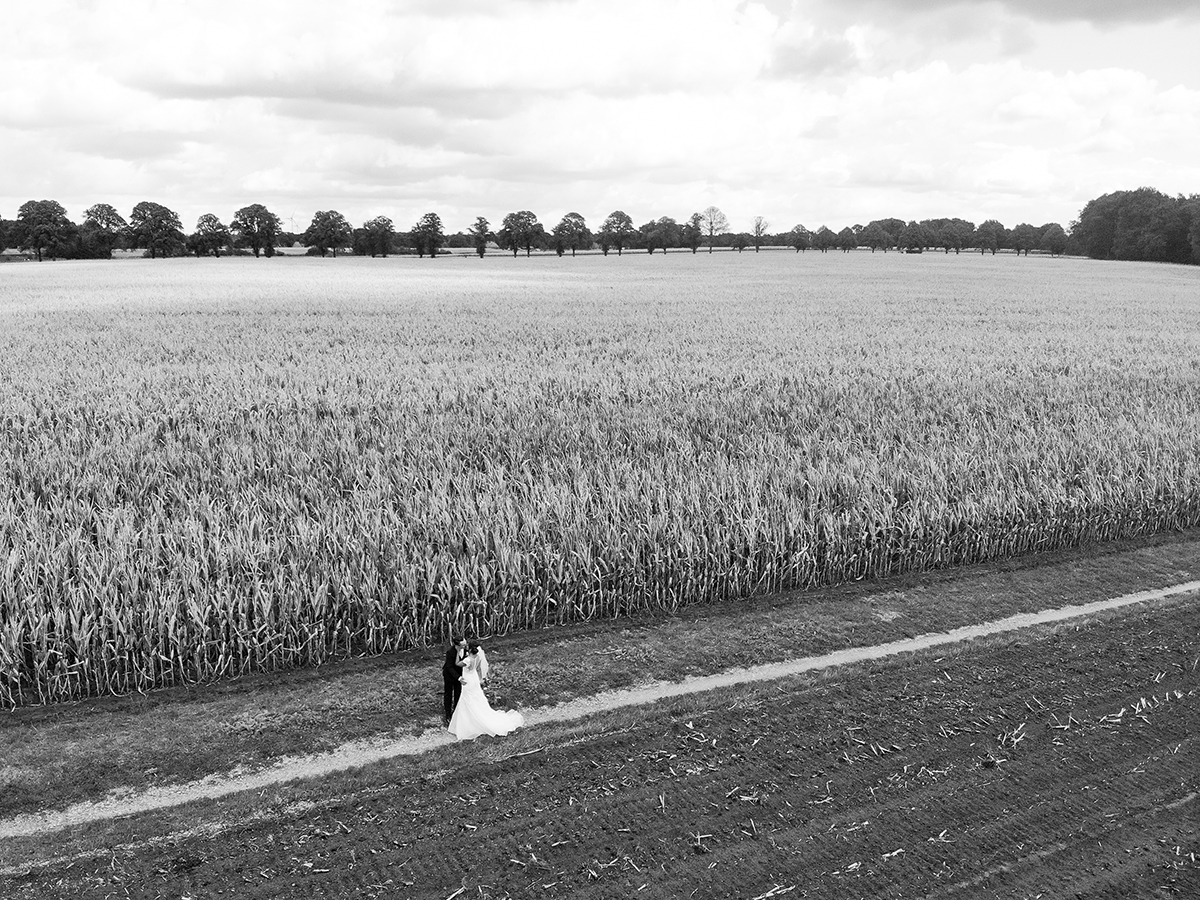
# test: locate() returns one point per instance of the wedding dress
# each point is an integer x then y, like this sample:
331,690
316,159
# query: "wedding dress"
473,715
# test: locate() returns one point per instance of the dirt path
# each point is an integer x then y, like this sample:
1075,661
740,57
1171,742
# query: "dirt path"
352,755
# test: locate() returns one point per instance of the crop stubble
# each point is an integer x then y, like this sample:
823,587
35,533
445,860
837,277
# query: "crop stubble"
214,467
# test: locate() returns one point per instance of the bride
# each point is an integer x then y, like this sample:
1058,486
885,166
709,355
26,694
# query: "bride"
473,715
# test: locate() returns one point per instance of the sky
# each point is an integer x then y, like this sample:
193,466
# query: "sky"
801,111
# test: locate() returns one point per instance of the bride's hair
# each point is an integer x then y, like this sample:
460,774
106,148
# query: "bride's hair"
482,660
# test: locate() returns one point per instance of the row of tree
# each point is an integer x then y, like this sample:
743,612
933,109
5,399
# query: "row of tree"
42,228
1142,225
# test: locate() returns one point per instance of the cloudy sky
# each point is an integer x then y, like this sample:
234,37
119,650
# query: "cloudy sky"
802,111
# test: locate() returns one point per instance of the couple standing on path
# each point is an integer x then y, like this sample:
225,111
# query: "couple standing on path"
467,711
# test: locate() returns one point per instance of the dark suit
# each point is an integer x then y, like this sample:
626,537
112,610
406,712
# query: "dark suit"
451,672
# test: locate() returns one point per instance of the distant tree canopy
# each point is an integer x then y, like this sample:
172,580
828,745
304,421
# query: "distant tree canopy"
377,237
1054,239
1023,238
328,231
692,232
617,231
481,233
713,222
521,230
876,238
659,234
571,233
824,239
101,232
759,231
210,236
156,229
990,236
43,227
103,216
428,235
256,227
1142,224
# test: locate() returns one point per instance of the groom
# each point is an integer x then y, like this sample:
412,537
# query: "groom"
451,672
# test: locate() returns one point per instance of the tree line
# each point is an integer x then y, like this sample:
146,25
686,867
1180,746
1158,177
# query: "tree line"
1137,225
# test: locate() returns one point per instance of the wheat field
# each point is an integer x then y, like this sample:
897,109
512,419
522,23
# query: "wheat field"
212,467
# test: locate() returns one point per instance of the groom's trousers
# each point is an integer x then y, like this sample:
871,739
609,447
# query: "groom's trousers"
451,691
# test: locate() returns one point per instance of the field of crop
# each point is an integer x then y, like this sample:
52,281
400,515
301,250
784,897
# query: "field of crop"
216,466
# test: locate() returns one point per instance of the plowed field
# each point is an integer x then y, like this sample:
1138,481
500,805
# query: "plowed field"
1056,763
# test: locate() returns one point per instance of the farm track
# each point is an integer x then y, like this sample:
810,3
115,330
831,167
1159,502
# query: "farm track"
356,754
1058,761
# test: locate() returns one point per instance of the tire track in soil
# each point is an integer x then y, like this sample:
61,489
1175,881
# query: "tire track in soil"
362,753
872,785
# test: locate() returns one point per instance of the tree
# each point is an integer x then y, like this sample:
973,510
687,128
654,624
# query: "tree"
758,231
714,223
1152,226
915,236
328,231
480,235
990,236
890,227
876,238
1024,238
377,237
209,237
521,230
1054,239
800,238
618,230
428,235
741,240
101,231
824,239
1092,233
156,229
43,227
572,232
659,234
102,215
955,234
257,228
883,233
1194,228
692,231
847,240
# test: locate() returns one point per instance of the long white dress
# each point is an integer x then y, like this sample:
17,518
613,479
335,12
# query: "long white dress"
473,715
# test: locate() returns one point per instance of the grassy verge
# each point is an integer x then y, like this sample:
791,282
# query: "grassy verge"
56,756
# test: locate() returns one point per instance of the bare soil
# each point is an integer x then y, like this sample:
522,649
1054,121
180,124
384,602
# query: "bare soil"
1059,761
112,748
363,753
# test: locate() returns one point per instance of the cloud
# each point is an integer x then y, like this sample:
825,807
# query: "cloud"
380,54
1097,12
813,55
798,111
